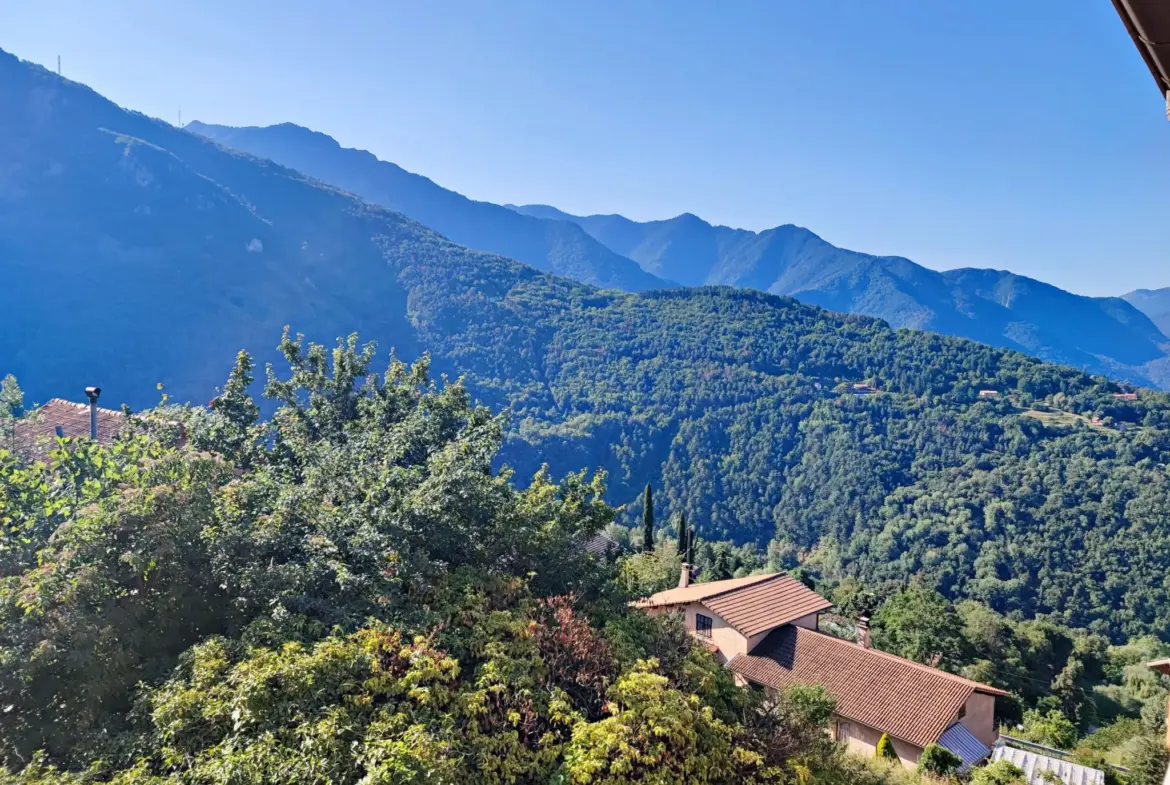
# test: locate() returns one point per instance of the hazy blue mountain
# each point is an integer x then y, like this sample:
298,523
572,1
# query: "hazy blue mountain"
1099,334
1154,303
560,247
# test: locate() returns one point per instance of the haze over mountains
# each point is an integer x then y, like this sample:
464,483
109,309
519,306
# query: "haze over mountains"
1100,334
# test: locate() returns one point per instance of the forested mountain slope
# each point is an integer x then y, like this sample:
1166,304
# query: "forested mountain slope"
1099,334
559,247
134,252
1154,303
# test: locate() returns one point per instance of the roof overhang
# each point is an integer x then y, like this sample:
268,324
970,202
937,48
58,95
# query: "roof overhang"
1161,666
1148,23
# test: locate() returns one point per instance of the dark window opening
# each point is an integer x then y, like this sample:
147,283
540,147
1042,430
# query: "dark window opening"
703,625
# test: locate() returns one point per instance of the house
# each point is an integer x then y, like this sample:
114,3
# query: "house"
989,393
861,388
601,545
766,630
1125,396
34,436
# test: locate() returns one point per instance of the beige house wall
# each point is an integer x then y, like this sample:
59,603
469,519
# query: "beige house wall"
980,718
863,740
731,641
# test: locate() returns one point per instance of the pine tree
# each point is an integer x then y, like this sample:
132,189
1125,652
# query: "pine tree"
648,520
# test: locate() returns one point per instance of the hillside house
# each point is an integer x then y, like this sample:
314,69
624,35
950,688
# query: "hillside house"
766,630
34,436
989,393
1125,396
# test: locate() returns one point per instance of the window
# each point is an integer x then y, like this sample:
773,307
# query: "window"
703,625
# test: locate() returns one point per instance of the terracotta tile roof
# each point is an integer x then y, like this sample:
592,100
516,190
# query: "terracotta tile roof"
751,605
697,591
768,604
34,434
909,701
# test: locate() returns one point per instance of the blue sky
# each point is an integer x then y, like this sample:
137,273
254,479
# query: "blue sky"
993,133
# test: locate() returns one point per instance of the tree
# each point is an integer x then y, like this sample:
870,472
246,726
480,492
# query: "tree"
647,519
920,625
939,761
686,539
1051,728
11,403
885,748
1147,761
657,735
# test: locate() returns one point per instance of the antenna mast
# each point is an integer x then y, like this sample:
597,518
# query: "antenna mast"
58,65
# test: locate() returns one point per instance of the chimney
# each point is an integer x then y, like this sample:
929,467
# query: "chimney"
93,393
863,632
684,578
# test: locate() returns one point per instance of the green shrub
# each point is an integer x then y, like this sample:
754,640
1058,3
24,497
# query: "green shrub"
938,760
885,749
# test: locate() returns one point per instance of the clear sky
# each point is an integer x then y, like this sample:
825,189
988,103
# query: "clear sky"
995,133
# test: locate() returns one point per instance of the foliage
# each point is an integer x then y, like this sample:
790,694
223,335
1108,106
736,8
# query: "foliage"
347,592
920,625
648,519
885,748
1051,728
1000,772
939,761
1148,761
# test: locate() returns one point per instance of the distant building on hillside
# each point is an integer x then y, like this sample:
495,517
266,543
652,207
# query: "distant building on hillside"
989,393
601,544
766,630
1125,396
35,435
861,388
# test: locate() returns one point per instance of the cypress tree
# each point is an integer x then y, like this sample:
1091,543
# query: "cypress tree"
885,749
648,520
685,538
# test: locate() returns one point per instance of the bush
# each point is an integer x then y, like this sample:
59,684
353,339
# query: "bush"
885,749
938,760
1001,772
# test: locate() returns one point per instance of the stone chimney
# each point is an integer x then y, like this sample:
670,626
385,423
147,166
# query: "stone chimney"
863,632
684,578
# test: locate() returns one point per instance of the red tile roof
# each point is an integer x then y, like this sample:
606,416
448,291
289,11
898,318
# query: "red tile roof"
751,605
34,434
909,701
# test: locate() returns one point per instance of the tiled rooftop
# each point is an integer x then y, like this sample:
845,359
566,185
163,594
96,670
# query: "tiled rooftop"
34,435
909,701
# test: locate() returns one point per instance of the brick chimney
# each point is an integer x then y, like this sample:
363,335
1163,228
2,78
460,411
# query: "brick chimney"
863,632
684,578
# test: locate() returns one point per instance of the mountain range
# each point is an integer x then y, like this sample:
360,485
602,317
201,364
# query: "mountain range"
134,253
1106,335
1154,303
560,247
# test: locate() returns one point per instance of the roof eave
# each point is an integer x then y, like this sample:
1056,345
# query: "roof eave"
1136,16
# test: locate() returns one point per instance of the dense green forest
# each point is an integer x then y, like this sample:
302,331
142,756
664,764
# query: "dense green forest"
348,591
